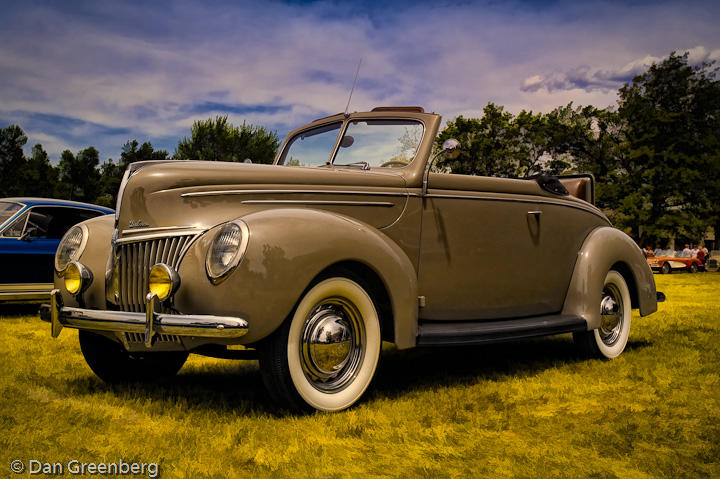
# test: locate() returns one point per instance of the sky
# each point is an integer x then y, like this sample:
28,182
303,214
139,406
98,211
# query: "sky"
100,73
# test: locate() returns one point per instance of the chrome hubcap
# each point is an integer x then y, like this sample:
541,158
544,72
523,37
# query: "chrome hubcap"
611,314
332,344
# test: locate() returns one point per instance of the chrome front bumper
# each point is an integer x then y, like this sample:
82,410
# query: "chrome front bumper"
150,323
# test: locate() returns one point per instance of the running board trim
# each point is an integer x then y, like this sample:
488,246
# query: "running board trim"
458,333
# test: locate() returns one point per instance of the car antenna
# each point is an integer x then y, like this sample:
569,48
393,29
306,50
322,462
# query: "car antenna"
357,72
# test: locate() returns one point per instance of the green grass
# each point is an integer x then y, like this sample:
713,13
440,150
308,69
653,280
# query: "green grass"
529,409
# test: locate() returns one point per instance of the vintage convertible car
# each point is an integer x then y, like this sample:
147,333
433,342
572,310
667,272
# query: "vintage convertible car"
674,261
348,240
30,231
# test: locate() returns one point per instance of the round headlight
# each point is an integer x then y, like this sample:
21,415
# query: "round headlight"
163,281
71,247
226,249
77,278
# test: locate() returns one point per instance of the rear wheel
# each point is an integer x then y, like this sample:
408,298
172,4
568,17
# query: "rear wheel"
112,363
609,340
324,357
665,269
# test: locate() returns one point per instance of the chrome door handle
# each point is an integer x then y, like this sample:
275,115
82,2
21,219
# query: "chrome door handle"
535,213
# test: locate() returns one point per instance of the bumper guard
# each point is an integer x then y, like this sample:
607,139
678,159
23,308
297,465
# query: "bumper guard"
150,323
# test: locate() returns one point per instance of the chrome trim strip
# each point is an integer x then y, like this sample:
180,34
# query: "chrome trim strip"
519,200
134,239
159,228
25,295
319,202
269,192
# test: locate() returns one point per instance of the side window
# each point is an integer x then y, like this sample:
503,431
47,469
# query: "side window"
62,219
38,223
311,148
16,228
384,143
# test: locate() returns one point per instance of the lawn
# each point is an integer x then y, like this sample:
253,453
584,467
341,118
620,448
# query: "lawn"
529,409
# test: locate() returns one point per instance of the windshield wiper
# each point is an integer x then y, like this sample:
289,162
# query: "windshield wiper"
358,164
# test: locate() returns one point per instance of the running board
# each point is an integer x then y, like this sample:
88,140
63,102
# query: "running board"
458,333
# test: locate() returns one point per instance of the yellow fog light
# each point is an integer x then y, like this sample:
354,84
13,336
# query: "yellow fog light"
164,281
77,278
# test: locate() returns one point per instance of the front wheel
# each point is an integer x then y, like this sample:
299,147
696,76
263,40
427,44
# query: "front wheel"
666,269
324,357
112,363
693,268
609,340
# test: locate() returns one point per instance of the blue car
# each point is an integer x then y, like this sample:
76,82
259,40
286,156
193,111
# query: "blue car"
30,231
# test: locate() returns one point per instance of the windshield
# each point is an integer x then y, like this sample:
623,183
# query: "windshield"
383,143
7,209
313,147
365,143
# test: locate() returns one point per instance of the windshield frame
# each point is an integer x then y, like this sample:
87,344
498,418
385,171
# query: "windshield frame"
10,219
346,120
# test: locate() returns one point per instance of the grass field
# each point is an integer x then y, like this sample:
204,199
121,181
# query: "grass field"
530,409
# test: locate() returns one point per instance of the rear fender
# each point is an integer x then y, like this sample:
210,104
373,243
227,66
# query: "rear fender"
607,248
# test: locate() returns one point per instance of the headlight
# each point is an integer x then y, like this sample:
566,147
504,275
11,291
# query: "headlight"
226,250
77,278
164,281
71,247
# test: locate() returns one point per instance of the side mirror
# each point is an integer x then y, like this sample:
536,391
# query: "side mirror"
347,141
451,148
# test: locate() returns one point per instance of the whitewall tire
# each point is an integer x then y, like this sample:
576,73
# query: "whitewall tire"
610,339
325,356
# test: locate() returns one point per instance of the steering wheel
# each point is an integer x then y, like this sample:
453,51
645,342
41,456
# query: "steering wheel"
394,162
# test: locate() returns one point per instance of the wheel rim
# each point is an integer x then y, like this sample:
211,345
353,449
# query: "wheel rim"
612,314
332,345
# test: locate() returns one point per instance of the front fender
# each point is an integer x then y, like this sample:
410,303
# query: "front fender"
94,257
287,249
604,248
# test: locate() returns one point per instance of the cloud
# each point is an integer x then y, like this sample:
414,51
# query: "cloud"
100,73
586,79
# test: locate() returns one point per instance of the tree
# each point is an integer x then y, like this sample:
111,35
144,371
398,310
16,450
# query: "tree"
500,144
79,177
111,173
12,161
487,144
39,176
218,140
671,122
132,153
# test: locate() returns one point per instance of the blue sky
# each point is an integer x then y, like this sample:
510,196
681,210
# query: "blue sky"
75,74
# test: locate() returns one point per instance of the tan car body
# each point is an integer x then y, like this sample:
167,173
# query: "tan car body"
458,248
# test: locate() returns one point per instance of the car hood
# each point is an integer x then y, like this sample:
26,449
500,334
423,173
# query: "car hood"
199,194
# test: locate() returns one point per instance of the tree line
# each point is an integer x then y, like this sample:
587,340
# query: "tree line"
80,176
655,156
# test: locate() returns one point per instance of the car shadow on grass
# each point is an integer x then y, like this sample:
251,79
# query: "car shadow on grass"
229,387
402,372
18,310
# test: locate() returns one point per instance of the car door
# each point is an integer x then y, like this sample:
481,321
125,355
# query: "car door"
492,249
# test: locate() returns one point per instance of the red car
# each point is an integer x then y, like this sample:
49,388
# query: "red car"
673,261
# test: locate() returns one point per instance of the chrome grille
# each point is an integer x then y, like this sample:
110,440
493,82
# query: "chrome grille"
161,338
135,260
